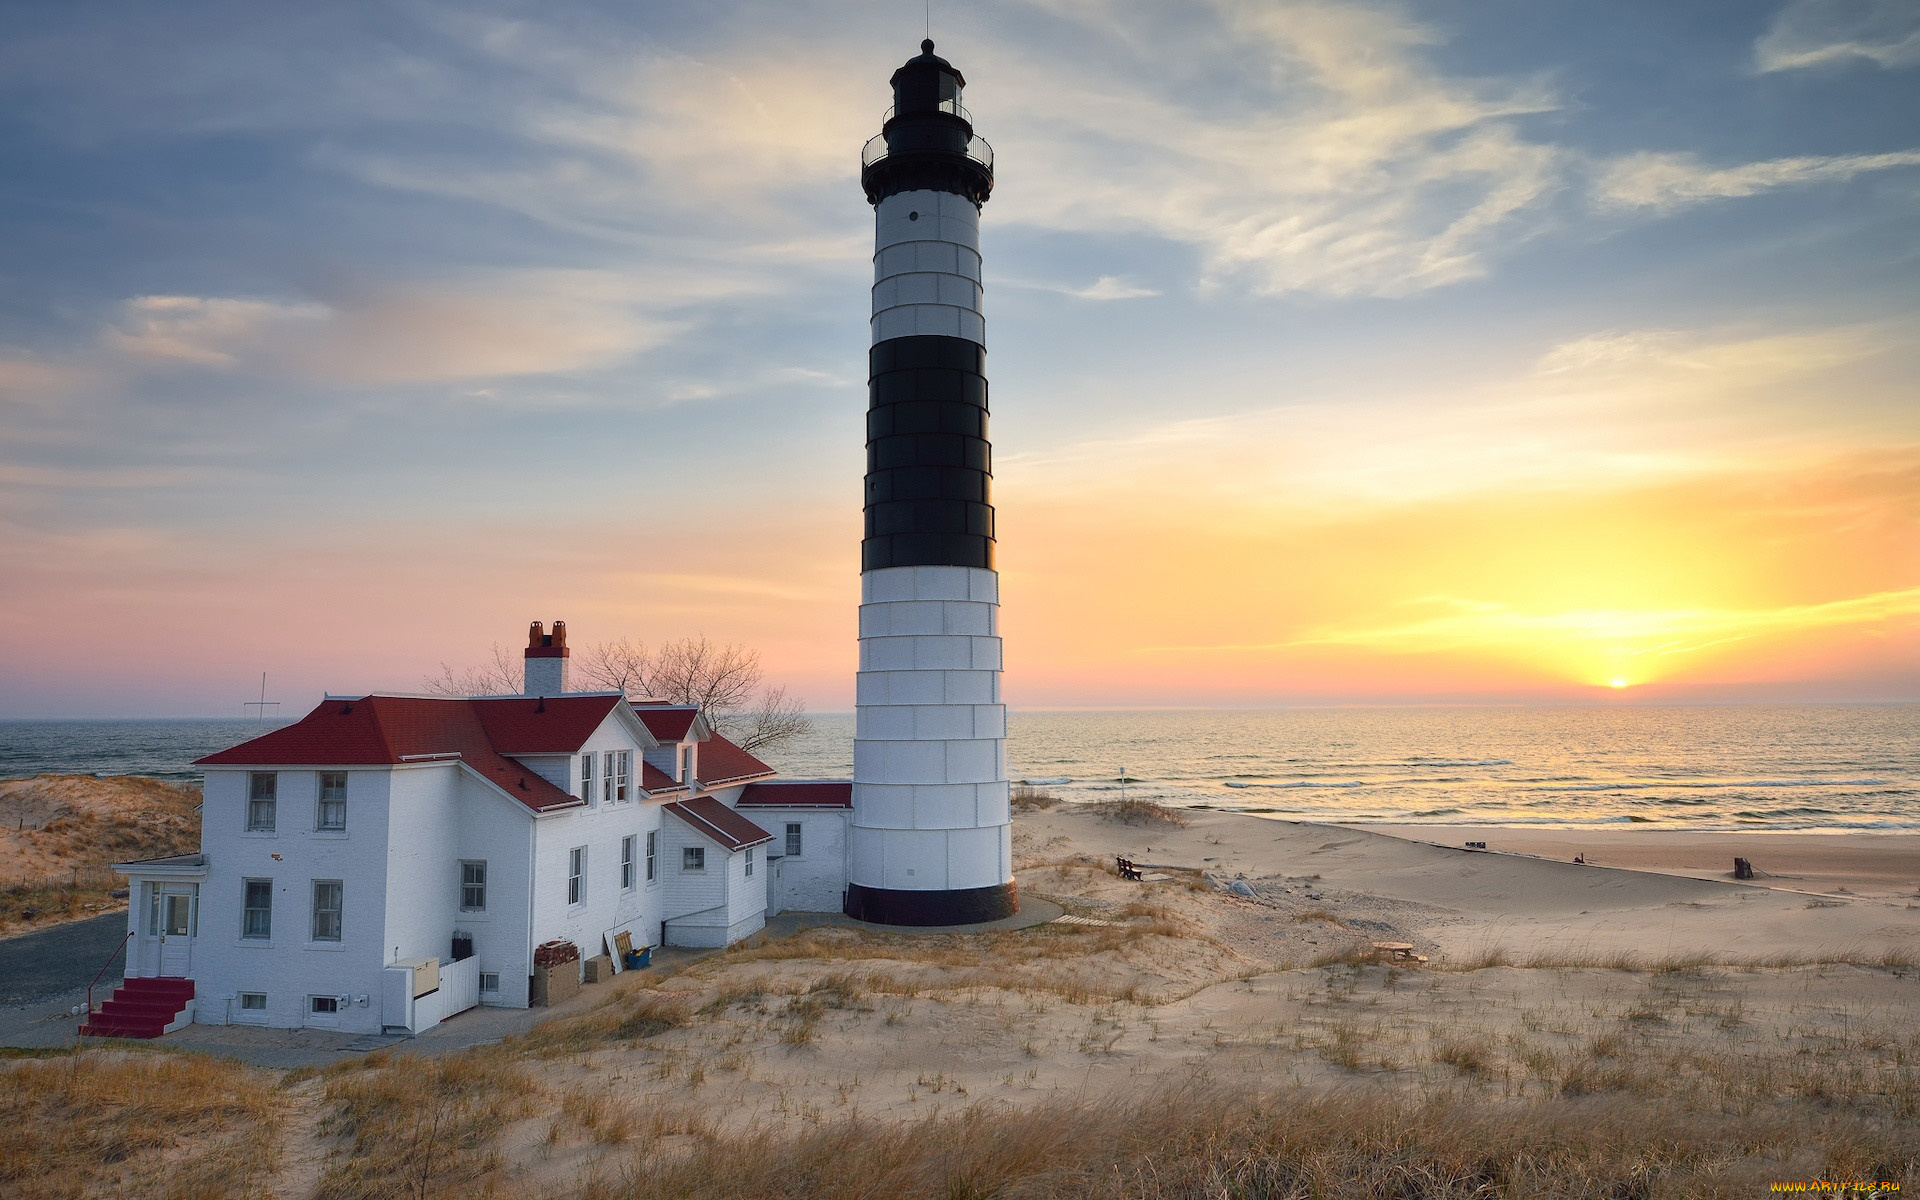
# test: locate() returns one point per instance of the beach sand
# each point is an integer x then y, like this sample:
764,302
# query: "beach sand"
1546,983
1883,865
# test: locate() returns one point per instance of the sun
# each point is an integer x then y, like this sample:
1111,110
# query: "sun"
1616,683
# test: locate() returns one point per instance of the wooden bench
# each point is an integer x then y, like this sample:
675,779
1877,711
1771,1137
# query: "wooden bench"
1126,868
1397,952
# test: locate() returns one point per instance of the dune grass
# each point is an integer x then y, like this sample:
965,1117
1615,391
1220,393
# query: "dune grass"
120,1123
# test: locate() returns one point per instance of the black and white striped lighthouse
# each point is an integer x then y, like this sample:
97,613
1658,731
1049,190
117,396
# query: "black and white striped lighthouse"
931,840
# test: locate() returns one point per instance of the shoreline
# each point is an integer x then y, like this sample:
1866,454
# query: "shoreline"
1868,865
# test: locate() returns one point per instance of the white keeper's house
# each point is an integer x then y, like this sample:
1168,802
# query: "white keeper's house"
386,861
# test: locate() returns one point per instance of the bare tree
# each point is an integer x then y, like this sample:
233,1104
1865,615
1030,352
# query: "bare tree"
617,666
720,679
775,720
500,677
725,681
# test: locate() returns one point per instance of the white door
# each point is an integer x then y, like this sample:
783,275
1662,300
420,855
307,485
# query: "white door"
177,902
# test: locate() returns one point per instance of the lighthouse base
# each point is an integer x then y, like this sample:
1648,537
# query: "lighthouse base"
965,906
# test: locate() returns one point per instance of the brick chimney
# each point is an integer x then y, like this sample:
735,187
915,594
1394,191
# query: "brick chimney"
546,660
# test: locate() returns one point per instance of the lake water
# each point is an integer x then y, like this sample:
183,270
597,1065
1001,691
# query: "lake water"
1781,767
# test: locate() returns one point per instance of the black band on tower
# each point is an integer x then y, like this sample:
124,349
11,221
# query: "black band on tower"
966,906
929,466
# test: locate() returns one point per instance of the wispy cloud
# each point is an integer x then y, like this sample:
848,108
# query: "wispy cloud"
1300,147
1612,409
1814,33
1671,181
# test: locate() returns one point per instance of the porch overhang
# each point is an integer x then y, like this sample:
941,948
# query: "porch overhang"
174,866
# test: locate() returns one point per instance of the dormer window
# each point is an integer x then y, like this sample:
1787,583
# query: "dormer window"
586,778
618,764
686,765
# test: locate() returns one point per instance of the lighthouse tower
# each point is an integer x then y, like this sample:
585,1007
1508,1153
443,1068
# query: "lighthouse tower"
931,840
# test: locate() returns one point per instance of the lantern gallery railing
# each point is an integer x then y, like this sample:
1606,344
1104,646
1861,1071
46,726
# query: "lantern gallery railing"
876,149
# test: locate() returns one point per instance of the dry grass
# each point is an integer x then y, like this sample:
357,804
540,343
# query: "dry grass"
1892,957
627,1018
62,831
1030,799
1139,812
135,1124
420,1126
1195,1142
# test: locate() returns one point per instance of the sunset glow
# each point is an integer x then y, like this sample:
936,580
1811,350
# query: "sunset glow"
1341,353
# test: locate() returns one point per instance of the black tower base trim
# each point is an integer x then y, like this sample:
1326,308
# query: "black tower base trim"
966,906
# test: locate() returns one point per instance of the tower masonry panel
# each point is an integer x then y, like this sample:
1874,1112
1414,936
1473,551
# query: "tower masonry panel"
931,835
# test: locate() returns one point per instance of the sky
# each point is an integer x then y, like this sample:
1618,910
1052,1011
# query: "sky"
1456,351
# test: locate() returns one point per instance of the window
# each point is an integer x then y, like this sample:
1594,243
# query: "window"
586,778
326,910
332,817
626,863
693,858
489,981
253,1002
473,887
577,876
622,759
749,862
793,839
686,765
257,916
323,1004
263,789
653,857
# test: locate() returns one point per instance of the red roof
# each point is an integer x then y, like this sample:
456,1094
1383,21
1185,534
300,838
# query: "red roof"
719,762
798,793
653,780
390,730
667,722
719,823
550,725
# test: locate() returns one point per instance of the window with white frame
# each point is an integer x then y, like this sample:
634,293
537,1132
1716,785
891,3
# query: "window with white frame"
586,778
489,981
331,816
577,875
686,765
256,919
263,795
326,910
626,863
793,839
749,862
653,855
253,1002
619,763
473,885
693,858
323,1005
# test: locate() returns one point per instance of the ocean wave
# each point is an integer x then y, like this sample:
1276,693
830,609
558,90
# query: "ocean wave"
1301,783
1714,785
1455,762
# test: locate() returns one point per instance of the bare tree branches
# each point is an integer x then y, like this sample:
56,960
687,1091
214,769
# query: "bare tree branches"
617,666
777,719
725,681
500,677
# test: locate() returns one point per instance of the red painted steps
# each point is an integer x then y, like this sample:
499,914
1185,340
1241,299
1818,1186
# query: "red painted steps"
140,1008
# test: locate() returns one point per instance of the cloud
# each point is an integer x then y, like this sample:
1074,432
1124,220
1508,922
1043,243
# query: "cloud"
1814,33
1111,287
1609,410
490,325
1671,181
1300,147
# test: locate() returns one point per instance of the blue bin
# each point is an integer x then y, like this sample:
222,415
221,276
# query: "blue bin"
639,958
